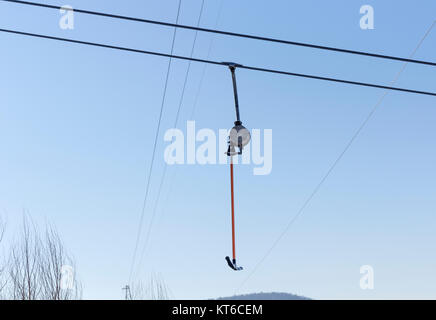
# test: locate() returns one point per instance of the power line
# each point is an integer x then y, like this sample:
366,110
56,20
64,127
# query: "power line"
150,226
205,65
227,33
301,75
138,236
172,178
333,166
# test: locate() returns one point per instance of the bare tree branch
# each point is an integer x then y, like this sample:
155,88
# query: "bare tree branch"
39,267
155,289
3,280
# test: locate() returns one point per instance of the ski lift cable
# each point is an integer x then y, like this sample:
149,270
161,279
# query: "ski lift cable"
150,226
141,220
333,166
294,74
227,33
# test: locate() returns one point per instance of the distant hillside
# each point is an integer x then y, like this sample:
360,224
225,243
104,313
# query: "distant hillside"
266,296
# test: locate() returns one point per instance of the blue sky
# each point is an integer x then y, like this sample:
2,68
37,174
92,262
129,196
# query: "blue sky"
77,125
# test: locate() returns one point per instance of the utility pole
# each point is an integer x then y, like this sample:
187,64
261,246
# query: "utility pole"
128,295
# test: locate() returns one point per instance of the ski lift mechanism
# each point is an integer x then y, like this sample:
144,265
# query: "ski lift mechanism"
239,137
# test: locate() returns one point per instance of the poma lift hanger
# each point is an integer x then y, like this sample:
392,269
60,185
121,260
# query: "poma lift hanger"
239,137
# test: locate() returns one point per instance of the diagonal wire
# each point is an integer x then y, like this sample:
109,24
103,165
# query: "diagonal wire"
150,226
209,51
173,176
333,166
141,220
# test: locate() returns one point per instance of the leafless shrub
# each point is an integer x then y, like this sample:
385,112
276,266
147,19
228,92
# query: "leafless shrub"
36,268
2,260
23,266
155,289
56,265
